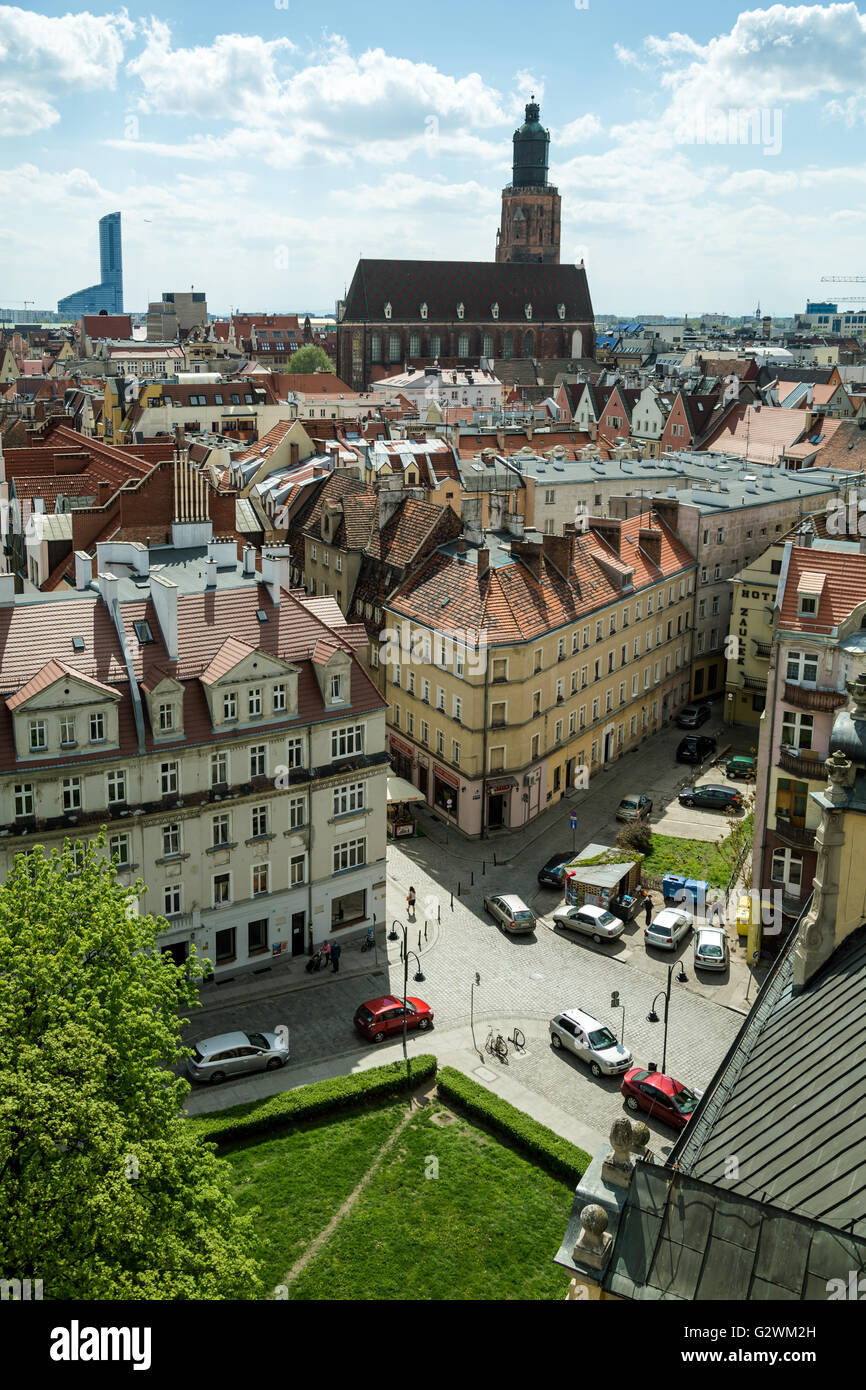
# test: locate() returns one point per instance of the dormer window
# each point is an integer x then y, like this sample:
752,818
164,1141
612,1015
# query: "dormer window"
423,311
494,310
560,309
336,687
388,310
527,309
230,705
461,309
166,718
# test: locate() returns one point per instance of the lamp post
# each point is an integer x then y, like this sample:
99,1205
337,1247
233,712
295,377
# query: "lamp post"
393,935
419,976
476,981
652,1016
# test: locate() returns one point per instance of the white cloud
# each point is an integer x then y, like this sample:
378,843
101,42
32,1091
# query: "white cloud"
22,113
44,57
628,57
577,131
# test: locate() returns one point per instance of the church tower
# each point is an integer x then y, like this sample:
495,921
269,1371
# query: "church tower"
530,226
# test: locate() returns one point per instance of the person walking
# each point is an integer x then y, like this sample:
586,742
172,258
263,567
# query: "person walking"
648,909
410,902
336,950
326,953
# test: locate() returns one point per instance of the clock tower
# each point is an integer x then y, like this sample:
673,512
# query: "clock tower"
530,225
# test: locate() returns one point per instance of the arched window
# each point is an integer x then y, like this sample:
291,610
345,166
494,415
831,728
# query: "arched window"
528,344
508,345
414,344
394,347
487,350
463,345
435,345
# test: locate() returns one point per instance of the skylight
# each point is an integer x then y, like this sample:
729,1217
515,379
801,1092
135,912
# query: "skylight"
78,644
143,632
261,615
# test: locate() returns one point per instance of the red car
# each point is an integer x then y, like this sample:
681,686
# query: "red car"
379,1019
659,1095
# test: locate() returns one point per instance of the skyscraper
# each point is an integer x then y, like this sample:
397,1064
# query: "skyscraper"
108,294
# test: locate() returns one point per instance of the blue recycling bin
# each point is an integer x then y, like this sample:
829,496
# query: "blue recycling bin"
673,886
697,889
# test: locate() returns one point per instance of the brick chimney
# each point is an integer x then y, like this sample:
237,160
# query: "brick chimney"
530,552
559,550
609,528
483,562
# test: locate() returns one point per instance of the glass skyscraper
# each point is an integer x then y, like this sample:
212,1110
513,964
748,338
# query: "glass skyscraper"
108,294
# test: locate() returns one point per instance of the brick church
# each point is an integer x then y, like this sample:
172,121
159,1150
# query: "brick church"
522,305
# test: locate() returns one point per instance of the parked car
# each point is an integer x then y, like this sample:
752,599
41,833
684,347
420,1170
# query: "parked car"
379,1019
510,913
712,797
659,1095
695,748
232,1054
593,921
668,928
741,769
551,874
591,1040
693,716
634,807
711,948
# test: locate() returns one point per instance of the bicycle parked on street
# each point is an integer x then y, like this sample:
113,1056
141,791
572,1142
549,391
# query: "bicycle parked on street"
496,1045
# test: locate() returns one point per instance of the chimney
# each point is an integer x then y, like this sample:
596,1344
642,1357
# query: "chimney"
461,545
559,550
7,589
249,559
609,528
210,571
530,552
164,596
483,561
104,490
83,569
650,542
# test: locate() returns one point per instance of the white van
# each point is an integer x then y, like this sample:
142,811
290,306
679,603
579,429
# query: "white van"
591,1040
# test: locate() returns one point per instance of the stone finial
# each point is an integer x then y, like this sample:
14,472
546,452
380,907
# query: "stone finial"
857,690
840,776
593,1244
640,1137
619,1164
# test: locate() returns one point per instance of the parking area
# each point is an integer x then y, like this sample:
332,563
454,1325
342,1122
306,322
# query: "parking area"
698,822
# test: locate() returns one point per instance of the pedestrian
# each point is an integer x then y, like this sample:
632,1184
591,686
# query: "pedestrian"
410,902
326,953
648,909
335,956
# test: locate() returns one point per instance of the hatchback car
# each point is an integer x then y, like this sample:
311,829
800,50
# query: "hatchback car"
379,1019
695,748
592,1041
741,769
693,716
592,921
660,1096
233,1054
510,914
711,948
668,928
711,797
550,875
634,807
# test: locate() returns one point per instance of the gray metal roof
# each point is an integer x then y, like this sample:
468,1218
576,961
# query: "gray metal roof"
681,1239
787,1104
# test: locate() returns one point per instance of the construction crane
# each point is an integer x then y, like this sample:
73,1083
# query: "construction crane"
843,279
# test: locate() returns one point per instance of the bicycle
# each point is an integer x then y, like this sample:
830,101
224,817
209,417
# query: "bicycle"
518,1040
496,1045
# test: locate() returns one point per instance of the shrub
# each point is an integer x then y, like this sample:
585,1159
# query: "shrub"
559,1156
309,1102
636,837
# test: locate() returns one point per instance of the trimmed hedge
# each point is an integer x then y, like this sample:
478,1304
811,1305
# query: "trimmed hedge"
309,1102
559,1156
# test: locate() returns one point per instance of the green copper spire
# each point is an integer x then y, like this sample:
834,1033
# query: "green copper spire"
531,146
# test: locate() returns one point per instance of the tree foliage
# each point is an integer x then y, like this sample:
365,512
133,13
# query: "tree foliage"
636,837
311,358
105,1192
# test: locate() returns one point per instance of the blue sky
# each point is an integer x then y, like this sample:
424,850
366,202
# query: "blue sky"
708,157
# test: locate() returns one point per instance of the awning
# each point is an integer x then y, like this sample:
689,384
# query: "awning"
401,790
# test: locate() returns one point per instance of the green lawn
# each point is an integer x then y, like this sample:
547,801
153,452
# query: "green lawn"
486,1227
689,858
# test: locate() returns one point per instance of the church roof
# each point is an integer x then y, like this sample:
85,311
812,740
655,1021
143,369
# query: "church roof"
442,285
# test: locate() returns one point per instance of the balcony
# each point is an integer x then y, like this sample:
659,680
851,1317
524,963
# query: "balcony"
803,698
796,835
763,649
805,764
757,683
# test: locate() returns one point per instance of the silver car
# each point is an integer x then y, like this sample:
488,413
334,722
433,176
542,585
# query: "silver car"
634,807
590,1040
668,928
711,948
594,921
233,1054
510,913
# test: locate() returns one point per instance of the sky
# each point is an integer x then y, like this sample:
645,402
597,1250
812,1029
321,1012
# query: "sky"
708,157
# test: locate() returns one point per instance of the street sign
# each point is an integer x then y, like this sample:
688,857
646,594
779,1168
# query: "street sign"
572,821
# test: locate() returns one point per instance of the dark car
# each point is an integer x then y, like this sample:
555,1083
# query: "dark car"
741,769
693,716
714,798
695,748
382,1018
550,874
660,1095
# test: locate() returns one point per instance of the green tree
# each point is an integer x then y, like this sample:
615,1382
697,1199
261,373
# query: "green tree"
104,1191
311,358
734,849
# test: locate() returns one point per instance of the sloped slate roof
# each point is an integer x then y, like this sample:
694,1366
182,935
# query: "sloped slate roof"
442,285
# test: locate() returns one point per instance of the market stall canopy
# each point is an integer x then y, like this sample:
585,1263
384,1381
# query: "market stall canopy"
401,790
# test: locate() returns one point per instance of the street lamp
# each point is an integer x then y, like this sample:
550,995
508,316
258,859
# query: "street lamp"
476,981
419,976
652,1016
392,935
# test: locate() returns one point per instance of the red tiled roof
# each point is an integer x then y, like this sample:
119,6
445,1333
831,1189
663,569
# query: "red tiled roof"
52,672
227,658
844,588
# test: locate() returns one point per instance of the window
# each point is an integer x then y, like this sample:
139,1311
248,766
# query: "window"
702,609
455,752
557,731
230,705
622,692
349,798
425,691
116,788
118,848
219,769
608,701
171,839
171,900
802,667
599,631
259,820
67,731
560,690
222,890
534,747
220,831
573,684
425,732
294,752
351,854
797,730
258,756
459,659
166,718
440,743
260,880
612,626
254,703
715,606
595,709
457,708
808,605
787,868
72,793
38,735
297,812
584,677
582,716
97,728
257,935
24,800
410,722
168,778
440,697
346,741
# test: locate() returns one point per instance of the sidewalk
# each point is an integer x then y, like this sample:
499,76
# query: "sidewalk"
285,976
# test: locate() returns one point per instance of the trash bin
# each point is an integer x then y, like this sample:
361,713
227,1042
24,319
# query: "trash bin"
673,886
697,889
